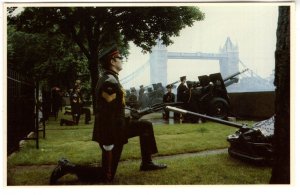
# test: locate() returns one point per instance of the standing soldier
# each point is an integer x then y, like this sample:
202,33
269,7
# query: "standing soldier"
133,99
141,95
143,98
77,84
168,98
76,104
141,91
182,93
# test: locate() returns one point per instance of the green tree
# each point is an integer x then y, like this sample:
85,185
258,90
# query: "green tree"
52,60
95,28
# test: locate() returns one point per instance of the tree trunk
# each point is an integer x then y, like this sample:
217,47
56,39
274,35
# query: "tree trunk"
93,67
281,167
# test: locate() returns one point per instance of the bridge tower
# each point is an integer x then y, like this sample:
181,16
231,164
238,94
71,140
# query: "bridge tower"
229,63
158,64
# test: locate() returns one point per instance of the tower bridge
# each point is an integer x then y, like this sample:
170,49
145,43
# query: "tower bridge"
228,57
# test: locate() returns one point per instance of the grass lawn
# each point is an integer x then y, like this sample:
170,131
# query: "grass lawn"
31,166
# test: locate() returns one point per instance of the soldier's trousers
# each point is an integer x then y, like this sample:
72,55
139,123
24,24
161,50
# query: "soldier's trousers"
76,118
87,113
144,130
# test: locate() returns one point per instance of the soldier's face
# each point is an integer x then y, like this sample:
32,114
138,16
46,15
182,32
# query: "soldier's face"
117,63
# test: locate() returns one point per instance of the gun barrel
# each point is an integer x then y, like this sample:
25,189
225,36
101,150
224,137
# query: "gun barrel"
233,75
182,111
230,82
153,108
174,83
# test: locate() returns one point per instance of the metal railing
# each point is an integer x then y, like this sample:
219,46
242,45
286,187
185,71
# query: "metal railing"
22,111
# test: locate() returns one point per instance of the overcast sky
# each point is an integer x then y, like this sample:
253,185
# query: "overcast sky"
251,27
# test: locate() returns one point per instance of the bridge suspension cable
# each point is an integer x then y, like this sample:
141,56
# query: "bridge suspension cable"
136,73
252,72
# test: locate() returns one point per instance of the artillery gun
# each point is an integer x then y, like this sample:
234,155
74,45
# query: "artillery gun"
252,144
209,94
156,96
151,95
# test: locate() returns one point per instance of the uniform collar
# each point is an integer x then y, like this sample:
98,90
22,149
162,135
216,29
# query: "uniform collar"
111,72
115,74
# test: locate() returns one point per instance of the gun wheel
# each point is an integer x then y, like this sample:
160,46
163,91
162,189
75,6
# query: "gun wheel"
219,108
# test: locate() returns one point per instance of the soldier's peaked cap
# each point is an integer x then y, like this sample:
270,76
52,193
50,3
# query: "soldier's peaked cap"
182,78
109,52
169,86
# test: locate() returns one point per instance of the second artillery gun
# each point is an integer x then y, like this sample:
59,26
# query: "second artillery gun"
252,144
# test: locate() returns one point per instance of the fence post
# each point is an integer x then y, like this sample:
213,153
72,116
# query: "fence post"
37,113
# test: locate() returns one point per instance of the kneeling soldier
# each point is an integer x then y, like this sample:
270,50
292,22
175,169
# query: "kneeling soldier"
112,129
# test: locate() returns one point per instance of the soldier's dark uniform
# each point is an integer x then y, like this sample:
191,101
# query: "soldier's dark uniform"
112,130
182,94
168,98
111,126
182,91
76,105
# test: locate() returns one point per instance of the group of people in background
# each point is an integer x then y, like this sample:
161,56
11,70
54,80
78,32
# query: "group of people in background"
182,96
77,109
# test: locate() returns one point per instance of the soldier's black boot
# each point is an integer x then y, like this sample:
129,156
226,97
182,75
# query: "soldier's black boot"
64,167
150,166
